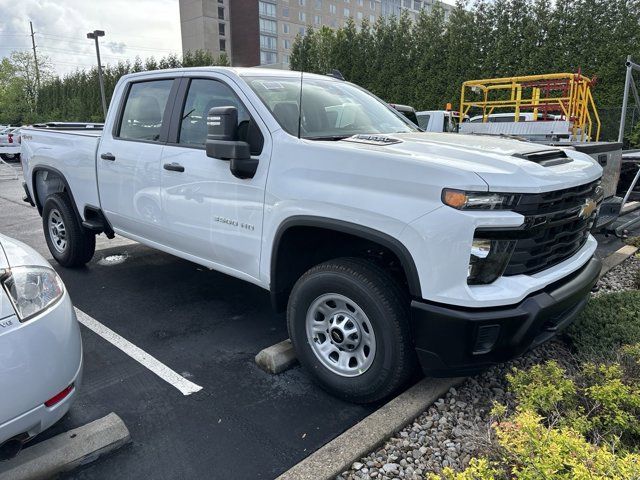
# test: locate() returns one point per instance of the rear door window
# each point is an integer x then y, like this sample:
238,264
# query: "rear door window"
142,118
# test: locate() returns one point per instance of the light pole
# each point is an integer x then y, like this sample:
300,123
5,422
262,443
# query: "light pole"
94,36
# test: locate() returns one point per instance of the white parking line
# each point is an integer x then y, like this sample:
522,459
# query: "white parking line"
139,355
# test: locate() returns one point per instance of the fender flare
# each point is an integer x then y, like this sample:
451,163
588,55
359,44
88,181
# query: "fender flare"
387,241
55,171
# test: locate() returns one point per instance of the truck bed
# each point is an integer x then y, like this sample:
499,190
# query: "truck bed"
71,151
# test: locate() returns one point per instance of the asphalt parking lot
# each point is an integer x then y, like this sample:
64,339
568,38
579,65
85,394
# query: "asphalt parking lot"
207,327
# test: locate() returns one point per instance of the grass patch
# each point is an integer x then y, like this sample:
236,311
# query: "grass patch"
609,322
635,241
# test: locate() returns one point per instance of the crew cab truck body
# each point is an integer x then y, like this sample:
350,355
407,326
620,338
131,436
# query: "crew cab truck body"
388,246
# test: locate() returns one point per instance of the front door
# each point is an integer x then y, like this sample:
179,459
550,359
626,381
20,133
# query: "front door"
209,213
129,157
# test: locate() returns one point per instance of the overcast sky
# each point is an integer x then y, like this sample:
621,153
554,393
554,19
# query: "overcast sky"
133,27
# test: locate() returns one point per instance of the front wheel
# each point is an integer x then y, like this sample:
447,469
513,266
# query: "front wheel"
349,323
68,241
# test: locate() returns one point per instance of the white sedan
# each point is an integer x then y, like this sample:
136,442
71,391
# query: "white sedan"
10,140
40,346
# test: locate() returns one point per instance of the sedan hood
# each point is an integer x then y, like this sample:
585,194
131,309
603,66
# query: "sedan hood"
504,164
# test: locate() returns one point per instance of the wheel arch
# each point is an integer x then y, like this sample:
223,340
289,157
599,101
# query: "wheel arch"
55,182
286,268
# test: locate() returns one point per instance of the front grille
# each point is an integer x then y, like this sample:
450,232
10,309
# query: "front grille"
553,229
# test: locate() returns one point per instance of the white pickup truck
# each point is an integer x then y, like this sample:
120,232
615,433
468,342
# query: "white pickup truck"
387,246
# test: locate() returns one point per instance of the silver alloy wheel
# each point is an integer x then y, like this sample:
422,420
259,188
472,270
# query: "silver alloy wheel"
57,231
341,335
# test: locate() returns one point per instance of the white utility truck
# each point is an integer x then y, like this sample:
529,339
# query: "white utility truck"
387,246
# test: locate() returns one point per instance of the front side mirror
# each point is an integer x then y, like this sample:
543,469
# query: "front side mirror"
222,142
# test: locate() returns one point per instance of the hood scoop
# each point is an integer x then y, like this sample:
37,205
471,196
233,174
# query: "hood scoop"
546,158
373,139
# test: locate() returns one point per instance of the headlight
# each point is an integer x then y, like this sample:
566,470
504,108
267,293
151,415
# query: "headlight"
32,289
479,200
488,260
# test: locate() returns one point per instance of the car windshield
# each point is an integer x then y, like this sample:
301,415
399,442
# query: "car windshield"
331,110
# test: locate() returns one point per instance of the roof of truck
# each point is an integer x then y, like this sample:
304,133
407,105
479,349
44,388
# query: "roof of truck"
237,71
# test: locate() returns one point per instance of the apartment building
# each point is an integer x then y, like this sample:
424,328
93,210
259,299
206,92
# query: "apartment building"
261,32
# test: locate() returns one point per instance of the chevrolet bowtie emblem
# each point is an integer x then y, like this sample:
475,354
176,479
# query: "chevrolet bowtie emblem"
588,208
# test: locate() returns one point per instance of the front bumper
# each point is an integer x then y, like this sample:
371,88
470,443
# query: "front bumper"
454,341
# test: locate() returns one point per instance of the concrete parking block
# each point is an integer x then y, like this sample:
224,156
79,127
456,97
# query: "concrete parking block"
68,450
277,358
338,455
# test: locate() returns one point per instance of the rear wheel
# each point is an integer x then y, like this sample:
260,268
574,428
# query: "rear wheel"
69,242
349,323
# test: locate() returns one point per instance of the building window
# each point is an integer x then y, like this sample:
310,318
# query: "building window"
286,59
332,8
317,19
417,5
302,31
286,44
319,4
372,19
268,26
359,16
360,3
268,58
221,29
346,12
407,3
302,16
221,13
285,28
285,12
268,42
223,45
267,9
372,5
301,3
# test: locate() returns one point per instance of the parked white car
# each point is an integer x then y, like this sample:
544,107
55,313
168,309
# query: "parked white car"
40,346
10,140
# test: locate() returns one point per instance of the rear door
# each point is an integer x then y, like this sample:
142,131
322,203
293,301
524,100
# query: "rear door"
129,157
210,214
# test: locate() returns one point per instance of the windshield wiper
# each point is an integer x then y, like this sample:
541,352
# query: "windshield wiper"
331,138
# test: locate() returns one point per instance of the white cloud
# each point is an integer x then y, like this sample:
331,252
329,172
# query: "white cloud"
133,28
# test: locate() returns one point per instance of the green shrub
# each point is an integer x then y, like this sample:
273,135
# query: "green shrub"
531,450
608,322
580,426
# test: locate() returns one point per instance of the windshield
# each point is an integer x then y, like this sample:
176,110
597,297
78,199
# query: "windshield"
331,110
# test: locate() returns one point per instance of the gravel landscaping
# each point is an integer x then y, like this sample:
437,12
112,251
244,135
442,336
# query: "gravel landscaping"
457,427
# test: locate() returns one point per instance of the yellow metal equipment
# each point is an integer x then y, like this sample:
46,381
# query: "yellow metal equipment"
556,96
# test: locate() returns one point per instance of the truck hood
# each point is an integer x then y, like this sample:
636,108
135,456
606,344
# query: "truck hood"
504,164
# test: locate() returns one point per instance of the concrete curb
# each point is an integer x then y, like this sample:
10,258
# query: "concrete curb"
277,358
68,450
338,455
616,258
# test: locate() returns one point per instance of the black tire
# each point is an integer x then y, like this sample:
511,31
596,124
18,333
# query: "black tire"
386,306
80,243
